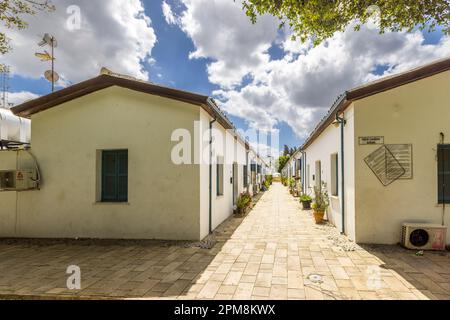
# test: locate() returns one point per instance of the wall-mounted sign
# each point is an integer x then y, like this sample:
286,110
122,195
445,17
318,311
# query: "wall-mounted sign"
391,162
371,140
384,165
404,155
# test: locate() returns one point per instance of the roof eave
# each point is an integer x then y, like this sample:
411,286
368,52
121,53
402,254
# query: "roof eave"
98,83
374,88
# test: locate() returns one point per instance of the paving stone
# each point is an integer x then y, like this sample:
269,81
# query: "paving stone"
268,254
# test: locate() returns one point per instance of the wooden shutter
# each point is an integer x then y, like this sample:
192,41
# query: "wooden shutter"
245,176
115,176
122,175
444,173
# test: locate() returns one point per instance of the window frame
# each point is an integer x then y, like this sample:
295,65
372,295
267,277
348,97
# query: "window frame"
334,167
220,179
318,174
440,172
245,174
118,173
308,176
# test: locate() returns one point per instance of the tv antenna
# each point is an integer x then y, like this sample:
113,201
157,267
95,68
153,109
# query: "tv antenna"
50,75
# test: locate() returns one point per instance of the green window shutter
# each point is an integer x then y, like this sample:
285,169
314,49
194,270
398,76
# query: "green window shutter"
220,173
109,182
115,176
245,176
444,173
122,175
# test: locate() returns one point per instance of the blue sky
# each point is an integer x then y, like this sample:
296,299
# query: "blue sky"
269,93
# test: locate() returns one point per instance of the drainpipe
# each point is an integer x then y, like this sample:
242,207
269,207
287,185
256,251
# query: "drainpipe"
342,123
210,173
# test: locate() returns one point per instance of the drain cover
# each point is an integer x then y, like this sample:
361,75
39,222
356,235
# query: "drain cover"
315,278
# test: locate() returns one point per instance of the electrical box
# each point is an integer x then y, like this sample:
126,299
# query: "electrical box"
18,180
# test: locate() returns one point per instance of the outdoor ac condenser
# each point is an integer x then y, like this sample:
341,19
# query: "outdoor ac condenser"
18,180
424,236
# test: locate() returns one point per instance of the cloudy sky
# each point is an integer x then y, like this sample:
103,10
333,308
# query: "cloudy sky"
261,78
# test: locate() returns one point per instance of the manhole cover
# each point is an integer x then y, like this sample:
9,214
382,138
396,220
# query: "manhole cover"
315,278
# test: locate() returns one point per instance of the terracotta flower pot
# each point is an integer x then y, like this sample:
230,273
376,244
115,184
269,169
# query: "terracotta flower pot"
318,216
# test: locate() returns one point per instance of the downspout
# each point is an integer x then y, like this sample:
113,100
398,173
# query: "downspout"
210,173
342,123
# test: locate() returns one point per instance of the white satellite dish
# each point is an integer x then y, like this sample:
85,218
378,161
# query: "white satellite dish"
51,76
48,40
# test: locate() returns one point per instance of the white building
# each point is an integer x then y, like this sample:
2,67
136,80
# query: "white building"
107,161
389,140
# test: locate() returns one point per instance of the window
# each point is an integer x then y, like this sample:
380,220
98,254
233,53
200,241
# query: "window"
245,176
444,173
334,175
318,175
114,176
308,176
220,170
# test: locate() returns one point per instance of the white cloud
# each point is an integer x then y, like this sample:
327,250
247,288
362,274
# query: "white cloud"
16,98
168,14
222,32
115,33
299,88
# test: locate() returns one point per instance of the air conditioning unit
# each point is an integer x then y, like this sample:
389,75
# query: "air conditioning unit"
18,180
424,236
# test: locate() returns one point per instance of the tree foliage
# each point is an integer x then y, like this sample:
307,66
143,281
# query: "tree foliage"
282,160
286,150
11,16
318,19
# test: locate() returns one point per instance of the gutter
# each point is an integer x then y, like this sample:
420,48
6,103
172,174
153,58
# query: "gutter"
210,173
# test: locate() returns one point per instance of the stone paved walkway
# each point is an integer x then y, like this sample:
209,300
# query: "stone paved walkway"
270,254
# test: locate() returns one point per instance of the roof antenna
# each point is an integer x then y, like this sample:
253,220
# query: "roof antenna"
50,41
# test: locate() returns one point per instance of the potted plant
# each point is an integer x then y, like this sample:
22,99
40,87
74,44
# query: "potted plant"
243,202
321,202
296,192
291,185
306,201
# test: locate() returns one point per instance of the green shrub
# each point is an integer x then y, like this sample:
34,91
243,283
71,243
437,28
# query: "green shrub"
305,198
292,183
243,202
321,199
